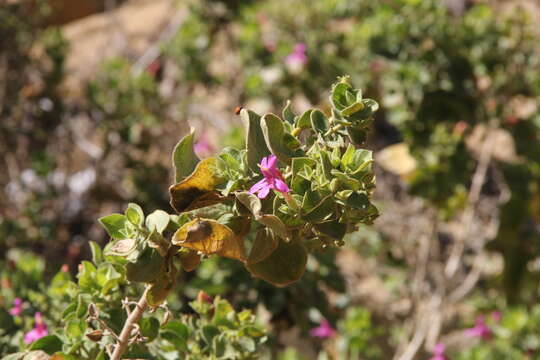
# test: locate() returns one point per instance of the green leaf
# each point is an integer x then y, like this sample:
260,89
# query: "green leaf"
86,275
298,183
149,327
274,135
209,332
370,106
255,143
357,134
358,201
326,164
97,254
50,344
114,224
333,229
265,244
148,267
158,221
135,214
176,333
319,122
284,266
304,120
352,109
338,98
317,211
253,203
288,115
184,158
75,328
347,158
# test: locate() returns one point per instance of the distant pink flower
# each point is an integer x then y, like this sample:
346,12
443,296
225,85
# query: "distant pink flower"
480,329
298,58
203,148
273,180
323,331
39,330
17,308
438,352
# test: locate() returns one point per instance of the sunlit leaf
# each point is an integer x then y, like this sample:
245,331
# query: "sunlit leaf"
158,221
210,237
274,135
255,143
135,214
184,158
114,224
198,189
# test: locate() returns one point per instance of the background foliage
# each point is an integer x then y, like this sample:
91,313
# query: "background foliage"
456,145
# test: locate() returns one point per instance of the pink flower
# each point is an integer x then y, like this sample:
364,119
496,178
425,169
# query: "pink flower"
17,308
298,57
480,330
323,331
203,148
273,180
39,330
438,352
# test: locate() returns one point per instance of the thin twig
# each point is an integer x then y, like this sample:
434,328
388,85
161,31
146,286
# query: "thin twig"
130,323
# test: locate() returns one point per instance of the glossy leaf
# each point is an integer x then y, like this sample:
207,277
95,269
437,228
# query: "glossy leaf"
158,221
114,224
288,115
255,143
49,344
135,214
184,158
274,135
319,122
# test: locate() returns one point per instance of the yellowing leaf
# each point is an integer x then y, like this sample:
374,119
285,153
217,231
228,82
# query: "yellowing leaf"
189,259
198,189
210,237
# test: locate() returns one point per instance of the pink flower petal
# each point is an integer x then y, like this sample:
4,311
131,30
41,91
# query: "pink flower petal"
271,162
264,192
281,186
258,186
